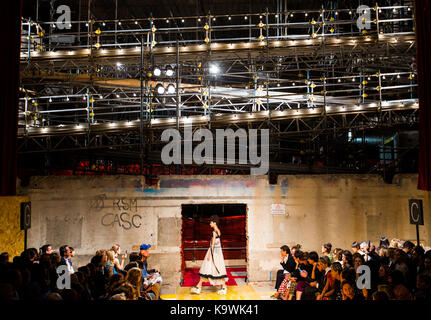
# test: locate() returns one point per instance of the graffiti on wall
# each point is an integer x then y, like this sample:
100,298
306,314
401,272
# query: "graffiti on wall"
123,212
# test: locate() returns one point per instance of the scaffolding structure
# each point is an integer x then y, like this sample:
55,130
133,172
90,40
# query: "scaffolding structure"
100,84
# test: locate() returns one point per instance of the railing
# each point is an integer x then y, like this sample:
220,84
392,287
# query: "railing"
257,27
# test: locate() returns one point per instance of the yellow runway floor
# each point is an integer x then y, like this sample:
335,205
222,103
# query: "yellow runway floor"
243,292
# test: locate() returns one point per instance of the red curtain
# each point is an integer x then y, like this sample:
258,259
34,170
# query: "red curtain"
9,94
423,43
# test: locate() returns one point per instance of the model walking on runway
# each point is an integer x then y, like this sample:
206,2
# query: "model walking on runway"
213,269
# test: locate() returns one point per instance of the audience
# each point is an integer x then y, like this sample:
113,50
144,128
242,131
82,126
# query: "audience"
33,276
399,270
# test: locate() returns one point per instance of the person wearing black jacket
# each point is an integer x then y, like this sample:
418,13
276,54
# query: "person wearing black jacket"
302,274
288,264
317,277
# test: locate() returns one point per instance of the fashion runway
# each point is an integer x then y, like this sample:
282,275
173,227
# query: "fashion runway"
240,292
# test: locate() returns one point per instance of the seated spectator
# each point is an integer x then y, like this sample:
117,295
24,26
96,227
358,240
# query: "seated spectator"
337,255
355,247
111,267
301,274
400,264
394,243
347,259
423,287
408,247
384,243
113,285
358,260
119,258
326,251
288,264
65,258
315,277
398,287
131,265
46,249
384,255
128,291
380,296
152,280
332,290
134,278
349,292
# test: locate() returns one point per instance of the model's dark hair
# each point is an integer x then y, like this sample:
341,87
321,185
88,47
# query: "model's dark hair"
215,219
355,245
285,249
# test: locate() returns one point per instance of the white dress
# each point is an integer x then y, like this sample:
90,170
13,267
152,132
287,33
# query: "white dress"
214,270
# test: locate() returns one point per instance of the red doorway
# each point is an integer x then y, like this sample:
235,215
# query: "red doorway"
196,236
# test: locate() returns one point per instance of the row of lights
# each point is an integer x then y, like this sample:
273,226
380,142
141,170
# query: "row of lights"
230,18
251,115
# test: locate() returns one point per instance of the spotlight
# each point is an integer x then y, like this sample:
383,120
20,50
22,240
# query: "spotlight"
50,100
169,71
136,22
167,20
119,23
182,20
214,69
199,19
103,24
245,18
160,89
214,19
157,72
171,89
229,18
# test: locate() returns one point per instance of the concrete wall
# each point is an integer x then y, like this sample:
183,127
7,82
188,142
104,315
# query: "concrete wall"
11,236
95,212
